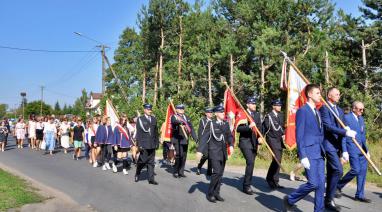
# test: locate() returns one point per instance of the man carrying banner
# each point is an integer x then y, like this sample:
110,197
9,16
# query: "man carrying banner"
358,161
274,133
218,135
310,138
147,141
248,143
202,146
333,134
181,124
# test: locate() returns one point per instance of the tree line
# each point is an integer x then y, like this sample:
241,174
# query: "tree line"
188,51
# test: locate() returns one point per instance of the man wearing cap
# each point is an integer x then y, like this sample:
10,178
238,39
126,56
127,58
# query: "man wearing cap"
274,132
203,146
218,135
181,124
248,143
147,141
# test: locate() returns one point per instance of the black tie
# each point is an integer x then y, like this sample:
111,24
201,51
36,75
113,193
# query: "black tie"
317,118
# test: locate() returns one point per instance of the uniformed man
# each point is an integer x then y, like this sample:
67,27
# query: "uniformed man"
248,143
217,136
181,124
358,161
274,132
147,141
311,151
202,146
333,135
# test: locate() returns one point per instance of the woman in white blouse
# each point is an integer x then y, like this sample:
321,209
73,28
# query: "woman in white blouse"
50,135
20,132
65,131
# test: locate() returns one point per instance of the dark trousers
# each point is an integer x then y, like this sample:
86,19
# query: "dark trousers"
249,155
106,153
274,169
87,150
216,177
180,158
334,173
201,163
166,149
146,158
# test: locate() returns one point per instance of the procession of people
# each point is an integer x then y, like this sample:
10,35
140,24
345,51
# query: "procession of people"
319,138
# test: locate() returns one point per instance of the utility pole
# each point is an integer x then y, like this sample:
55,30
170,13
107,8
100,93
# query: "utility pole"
42,99
23,95
103,66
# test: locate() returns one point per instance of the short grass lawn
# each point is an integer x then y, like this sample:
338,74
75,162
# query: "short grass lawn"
16,192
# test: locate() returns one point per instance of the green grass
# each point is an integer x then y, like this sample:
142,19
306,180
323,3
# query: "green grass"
16,192
290,160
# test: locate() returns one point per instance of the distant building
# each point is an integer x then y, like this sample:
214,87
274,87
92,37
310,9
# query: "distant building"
93,104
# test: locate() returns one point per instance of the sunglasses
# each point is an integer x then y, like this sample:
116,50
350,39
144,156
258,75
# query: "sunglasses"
361,109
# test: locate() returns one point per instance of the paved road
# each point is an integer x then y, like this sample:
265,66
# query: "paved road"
106,191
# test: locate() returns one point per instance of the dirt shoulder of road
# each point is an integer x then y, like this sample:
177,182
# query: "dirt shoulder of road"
55,199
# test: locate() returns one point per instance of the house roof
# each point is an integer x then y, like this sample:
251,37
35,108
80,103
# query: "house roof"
96,95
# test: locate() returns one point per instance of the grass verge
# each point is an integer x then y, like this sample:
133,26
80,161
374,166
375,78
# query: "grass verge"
16,192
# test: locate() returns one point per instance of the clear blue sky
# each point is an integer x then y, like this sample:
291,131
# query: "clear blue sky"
47,24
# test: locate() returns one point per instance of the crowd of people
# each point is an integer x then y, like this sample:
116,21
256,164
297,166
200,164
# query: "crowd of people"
319,137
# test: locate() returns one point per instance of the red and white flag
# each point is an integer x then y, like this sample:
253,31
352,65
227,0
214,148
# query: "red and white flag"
296,99
111,112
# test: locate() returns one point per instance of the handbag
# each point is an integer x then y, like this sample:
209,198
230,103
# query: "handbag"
43,145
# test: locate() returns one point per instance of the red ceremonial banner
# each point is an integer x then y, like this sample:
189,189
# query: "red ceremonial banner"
168,128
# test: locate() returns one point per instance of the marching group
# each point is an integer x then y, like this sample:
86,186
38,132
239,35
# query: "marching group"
319,136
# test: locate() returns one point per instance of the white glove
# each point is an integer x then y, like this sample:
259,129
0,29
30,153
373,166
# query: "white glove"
305,163
251,125
347,128
368,154
231,149
345,156
351,133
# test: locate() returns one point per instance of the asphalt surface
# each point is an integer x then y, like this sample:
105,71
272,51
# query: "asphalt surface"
108,191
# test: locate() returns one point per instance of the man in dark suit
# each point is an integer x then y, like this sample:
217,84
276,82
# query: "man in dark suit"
274,131
333,134
310,147
147,141
358,162
218,135
248,143
203,146
180,140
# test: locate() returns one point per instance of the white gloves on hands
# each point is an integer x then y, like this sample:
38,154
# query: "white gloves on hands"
305,163
351,133
347,128
345,156
368,154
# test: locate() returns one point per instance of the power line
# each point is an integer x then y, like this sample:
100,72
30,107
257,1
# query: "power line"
45,50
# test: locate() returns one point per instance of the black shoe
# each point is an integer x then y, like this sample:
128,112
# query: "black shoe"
198,171
365,200
286,205
153,182
182,175
219,198
175,175
211,199
331,206
272,185
278,186
136,178
338,193
248,191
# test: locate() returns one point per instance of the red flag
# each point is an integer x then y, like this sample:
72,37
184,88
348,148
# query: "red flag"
296,99
235,114
167,134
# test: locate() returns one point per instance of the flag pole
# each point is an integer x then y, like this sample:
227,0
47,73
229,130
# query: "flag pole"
257,130
331,110
181,126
